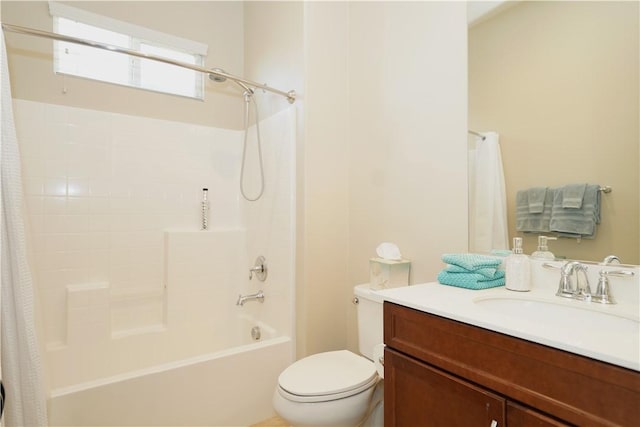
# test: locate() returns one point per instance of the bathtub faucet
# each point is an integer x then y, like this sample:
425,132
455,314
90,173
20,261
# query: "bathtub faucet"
244,298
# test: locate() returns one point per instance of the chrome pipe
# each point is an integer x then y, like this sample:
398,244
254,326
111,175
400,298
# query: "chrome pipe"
473,132
291,95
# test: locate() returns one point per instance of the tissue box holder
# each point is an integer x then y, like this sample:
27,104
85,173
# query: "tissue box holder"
386,273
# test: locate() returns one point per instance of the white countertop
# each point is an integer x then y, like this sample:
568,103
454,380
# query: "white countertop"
575,332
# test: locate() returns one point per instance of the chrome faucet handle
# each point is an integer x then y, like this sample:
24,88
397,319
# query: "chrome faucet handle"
259,268
603,291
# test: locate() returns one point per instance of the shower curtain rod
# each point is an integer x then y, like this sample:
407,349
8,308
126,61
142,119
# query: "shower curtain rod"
473,132
291,95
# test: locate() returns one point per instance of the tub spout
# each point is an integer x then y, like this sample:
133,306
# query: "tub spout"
259,296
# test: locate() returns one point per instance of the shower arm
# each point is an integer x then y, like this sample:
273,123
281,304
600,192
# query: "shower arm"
290,95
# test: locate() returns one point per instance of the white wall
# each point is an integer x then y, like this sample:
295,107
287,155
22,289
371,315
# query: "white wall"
382,155
407,136
325,251
383,111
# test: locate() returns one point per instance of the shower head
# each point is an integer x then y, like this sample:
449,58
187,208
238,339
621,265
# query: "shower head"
217,77
221,78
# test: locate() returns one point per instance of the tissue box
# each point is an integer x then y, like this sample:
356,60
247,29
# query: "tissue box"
386,273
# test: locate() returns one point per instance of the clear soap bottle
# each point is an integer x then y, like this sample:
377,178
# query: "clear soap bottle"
518,269
543,251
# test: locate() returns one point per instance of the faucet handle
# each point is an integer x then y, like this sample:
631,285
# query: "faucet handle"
619,273
603,291
259,268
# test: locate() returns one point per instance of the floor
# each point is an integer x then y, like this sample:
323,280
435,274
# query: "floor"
272,422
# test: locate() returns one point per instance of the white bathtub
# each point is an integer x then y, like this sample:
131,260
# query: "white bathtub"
228,388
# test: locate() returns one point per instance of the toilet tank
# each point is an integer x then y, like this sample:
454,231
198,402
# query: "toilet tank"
370,326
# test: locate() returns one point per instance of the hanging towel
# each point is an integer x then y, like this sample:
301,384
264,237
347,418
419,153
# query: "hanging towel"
470,280
574,222
531,222
536,197
488,197
471,262
572,195
22,372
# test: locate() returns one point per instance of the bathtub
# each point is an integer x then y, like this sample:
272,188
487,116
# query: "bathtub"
182,355
227,388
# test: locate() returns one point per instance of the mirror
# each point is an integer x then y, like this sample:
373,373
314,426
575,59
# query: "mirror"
558,81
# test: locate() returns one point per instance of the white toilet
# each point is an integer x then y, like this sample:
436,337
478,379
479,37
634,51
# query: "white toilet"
338,388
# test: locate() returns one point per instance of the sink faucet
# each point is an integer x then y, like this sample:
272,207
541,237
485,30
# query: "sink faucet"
582,290
610,258
258,296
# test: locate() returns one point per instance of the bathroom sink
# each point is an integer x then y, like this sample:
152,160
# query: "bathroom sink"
573,318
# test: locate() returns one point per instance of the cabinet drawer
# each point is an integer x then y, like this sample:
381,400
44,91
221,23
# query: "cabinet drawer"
571,387
417,394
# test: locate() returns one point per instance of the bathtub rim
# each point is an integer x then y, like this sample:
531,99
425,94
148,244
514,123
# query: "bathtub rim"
76,388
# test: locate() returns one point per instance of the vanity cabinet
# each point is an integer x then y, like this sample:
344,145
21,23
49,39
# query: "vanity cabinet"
440,372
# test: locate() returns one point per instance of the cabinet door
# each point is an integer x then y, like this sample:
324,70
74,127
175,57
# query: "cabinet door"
520,416
417,394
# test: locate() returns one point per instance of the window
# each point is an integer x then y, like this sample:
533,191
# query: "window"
122,69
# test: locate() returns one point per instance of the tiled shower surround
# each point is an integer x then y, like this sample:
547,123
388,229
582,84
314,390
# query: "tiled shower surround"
109,196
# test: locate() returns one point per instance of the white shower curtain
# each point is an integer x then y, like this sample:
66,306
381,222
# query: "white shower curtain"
19,351
488,197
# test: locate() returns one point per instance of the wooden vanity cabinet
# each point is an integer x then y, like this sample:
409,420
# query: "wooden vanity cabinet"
444,373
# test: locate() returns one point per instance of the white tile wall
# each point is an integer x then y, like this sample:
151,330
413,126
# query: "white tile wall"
101,191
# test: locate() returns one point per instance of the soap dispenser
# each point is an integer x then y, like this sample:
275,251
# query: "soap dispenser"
518,269
543,249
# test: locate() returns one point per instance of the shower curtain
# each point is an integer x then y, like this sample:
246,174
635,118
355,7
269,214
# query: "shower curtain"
487,197
19,352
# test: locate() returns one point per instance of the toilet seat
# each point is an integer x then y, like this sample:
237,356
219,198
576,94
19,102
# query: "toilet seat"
327,376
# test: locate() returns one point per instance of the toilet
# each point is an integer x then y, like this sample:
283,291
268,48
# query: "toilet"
338,388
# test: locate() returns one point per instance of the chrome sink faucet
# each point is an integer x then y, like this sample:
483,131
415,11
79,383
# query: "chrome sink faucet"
582,290
258,296
566,289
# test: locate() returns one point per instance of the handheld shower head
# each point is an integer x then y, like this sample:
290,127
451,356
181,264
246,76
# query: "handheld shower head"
220,79
217,77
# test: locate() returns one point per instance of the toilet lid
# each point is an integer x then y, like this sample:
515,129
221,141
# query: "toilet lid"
327,373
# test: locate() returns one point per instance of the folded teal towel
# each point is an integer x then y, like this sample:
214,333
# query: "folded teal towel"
490,273
572,222
572,195
469,280
471,262
501,252
536,197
